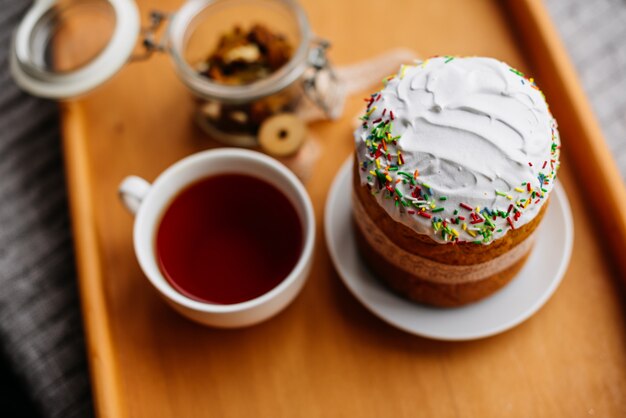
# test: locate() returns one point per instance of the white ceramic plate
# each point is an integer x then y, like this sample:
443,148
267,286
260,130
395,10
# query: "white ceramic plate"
510,306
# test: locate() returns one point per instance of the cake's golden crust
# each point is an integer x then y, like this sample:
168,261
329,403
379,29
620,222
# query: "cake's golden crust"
424,291
437,294
454,254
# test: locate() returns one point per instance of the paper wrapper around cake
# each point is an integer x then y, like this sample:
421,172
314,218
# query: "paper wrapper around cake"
426,271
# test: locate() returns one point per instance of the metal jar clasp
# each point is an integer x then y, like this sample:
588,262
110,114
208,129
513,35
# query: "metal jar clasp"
320,83
150,40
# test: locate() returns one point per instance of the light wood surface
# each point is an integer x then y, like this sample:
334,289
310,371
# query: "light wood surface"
325,355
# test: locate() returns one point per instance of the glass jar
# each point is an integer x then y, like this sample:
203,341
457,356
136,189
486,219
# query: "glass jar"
229,113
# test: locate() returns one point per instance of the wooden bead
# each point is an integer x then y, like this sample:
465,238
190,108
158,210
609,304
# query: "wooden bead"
282,135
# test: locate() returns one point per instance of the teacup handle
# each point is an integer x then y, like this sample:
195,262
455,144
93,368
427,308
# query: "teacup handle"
132,191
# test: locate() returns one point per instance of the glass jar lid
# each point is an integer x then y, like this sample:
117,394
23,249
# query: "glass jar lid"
51,56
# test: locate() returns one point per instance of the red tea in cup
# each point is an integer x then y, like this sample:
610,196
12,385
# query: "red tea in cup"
228,239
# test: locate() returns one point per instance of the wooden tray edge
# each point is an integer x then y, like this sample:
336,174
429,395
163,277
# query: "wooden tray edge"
595,167
100,353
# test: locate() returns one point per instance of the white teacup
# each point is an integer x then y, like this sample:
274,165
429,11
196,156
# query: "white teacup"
149,201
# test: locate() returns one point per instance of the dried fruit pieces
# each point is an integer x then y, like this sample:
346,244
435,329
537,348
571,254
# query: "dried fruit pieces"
243,57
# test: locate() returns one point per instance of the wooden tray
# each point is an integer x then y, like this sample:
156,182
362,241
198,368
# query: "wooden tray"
326,355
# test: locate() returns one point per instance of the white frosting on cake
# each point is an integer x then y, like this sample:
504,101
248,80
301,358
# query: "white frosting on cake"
478,133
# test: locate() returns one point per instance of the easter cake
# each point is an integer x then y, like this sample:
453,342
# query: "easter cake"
455,162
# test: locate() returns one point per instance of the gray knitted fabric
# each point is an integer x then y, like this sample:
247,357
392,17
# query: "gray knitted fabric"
594,32
41,333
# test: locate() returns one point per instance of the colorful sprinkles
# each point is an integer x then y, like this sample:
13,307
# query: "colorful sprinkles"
459,224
